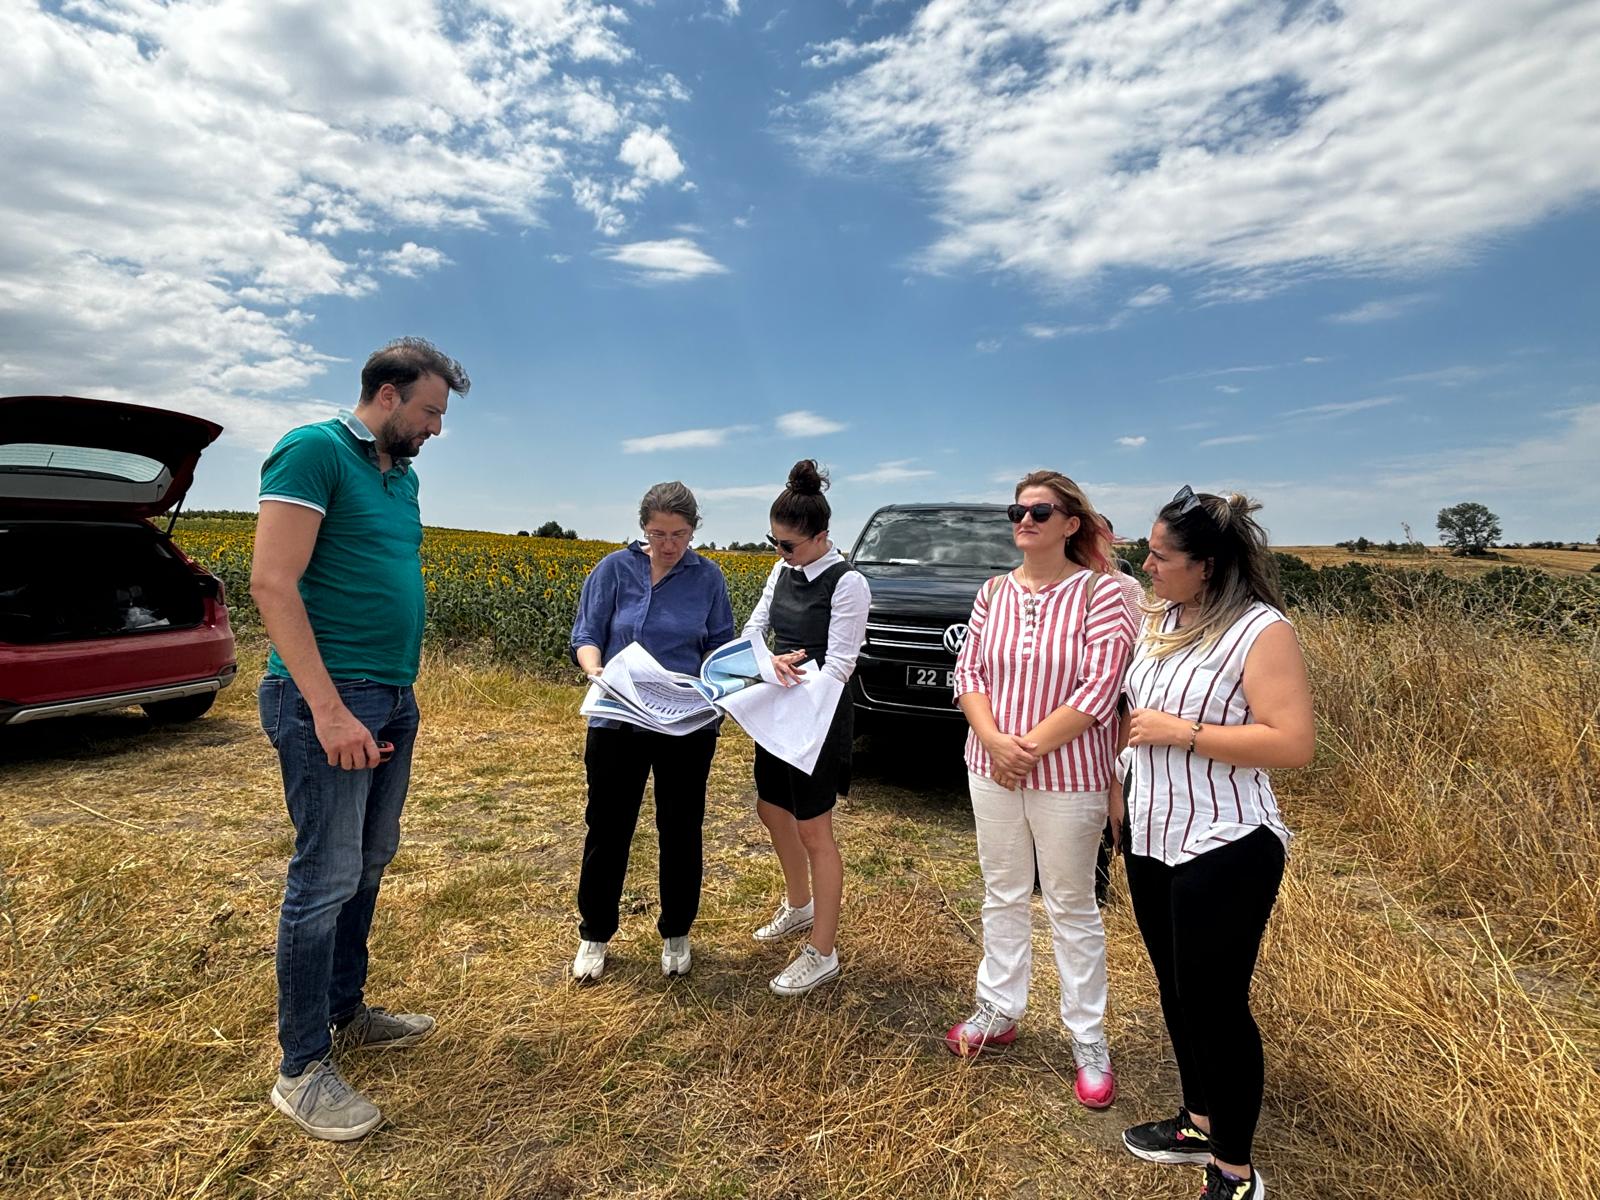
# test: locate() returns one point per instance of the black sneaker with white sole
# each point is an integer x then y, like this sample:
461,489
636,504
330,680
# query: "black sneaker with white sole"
1176,1140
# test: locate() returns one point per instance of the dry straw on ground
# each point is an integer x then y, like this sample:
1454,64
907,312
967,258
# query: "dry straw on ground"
1427,990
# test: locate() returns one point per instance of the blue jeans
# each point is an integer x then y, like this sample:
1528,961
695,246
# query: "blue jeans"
346,830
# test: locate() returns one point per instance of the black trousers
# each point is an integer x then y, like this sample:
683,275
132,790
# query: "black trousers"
618,762
1202,923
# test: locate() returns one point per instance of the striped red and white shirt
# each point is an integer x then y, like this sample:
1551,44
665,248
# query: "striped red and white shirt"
1180,804
1032,653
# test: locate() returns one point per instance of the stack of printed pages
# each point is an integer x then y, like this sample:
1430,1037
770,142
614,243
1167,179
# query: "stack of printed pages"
737,680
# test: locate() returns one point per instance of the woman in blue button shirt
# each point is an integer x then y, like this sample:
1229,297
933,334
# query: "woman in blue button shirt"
658,592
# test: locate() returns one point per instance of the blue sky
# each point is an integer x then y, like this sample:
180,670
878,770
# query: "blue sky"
1340,258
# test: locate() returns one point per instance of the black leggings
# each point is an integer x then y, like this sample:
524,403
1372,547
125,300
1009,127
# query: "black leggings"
619,761
1202,923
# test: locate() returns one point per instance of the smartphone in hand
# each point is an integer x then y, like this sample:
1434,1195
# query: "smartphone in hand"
385,752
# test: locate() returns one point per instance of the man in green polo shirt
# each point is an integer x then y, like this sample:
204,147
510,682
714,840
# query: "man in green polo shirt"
338,580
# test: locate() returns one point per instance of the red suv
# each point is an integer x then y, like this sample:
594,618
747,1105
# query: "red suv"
98,608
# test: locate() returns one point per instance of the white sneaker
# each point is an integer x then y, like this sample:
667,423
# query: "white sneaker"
675,956
787,921
808,970
590,961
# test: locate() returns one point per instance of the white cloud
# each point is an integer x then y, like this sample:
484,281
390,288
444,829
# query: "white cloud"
805,423
1342,409
669,261
1380,310
1158,293
1238,439
988,345
753,491
1256,143
1227,389
411,260
1051,332
683,439
841,51
183,180
1252,369
897,471
1132,442
651,155
1450,376
1150,297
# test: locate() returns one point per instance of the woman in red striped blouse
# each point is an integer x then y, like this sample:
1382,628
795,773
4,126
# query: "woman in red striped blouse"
1038,679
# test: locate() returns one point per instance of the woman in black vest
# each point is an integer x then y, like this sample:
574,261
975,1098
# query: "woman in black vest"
815,607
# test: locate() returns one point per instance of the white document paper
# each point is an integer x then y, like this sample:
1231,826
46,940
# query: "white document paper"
791,723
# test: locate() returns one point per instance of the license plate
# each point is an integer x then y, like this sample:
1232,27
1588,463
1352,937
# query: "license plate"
942,678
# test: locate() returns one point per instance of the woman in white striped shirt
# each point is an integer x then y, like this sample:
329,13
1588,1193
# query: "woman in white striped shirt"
1219,695
1038,679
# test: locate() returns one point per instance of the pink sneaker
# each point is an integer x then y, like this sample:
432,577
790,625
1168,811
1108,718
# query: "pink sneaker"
986,1027
1096,1085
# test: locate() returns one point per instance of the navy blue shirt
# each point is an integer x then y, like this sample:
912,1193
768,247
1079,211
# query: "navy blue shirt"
679,620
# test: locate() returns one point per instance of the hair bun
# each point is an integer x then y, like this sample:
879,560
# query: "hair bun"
807,479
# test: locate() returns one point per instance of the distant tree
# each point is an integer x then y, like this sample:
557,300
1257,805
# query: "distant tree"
522,533
1362,545
1468,527
552,529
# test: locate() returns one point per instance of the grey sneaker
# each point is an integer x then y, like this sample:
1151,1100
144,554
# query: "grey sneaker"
808,970
787,921
675,956
324,1105
380,1029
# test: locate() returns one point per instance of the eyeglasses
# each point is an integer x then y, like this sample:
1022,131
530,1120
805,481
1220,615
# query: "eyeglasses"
790,547
661,537
1039,512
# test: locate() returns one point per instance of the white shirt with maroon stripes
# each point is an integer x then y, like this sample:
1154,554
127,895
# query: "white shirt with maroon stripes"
1030,654
1180,804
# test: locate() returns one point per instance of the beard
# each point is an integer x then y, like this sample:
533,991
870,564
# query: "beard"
395,441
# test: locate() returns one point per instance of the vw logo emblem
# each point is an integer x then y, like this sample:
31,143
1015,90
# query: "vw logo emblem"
955,637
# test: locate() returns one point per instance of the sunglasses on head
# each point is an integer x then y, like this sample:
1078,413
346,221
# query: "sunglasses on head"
1186,502
1039,512
787,547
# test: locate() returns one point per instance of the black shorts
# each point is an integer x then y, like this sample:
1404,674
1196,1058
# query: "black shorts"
808,796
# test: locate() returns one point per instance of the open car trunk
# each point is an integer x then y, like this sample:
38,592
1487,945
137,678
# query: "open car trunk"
74,580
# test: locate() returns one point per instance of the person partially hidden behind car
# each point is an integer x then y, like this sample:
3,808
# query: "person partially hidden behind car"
338,583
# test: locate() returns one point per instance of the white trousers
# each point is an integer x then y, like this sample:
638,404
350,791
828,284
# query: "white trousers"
1064,829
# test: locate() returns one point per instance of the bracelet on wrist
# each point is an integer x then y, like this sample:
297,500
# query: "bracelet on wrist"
1194,732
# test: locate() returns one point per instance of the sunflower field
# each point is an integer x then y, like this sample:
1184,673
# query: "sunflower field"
510,598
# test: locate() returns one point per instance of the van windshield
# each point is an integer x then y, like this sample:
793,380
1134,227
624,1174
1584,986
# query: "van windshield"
939,537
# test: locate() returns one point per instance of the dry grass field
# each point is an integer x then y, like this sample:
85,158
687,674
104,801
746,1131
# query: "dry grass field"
1428,990
1558,562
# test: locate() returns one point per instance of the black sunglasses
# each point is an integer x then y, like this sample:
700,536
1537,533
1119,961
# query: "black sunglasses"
790,547
1039,512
